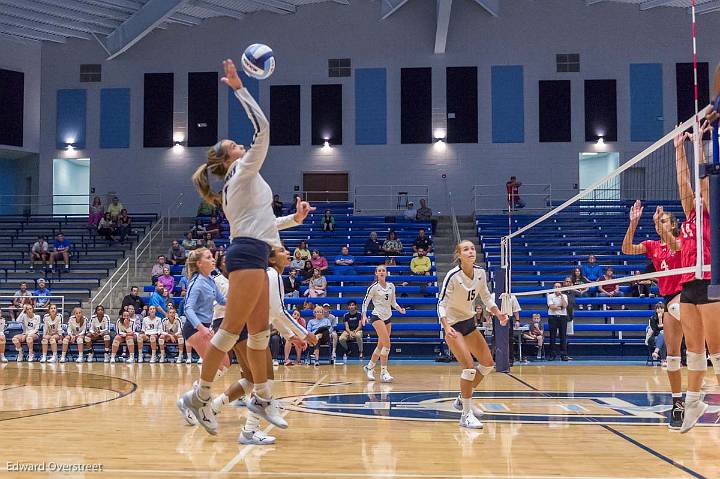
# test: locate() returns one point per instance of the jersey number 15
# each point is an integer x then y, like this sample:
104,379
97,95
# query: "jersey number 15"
471,295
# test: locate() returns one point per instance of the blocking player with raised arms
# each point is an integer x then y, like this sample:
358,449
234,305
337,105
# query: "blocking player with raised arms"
456,310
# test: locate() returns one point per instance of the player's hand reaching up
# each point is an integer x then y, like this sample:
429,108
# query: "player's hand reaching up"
636,211
231,77
303,209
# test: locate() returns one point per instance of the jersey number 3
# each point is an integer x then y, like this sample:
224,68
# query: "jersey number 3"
471,295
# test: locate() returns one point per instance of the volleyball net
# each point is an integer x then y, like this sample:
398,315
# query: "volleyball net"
651,195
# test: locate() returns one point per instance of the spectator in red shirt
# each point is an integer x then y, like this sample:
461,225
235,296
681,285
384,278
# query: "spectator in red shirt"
318,261
513,193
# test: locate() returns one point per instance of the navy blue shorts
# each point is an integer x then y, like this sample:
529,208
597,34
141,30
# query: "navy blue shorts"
188,329
246,253
374,318
243,334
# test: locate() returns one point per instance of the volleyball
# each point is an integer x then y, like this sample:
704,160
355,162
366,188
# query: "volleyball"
258,61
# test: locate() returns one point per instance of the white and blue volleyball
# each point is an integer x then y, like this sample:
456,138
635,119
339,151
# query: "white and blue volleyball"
258,61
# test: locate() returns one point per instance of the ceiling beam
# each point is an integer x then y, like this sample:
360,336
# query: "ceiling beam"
24,32
707,7
490,6
185,19
86,8
142,22
53,20
62,12
654,4
129,5
342,2
228,12
593,2
43,27
388,7
276,6
442,9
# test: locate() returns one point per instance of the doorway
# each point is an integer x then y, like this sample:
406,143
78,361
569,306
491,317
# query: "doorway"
595,166
326,186
71,186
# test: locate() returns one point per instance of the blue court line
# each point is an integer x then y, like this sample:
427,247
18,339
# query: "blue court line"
642,446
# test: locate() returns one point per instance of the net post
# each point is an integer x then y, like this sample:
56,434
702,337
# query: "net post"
697,148
713,171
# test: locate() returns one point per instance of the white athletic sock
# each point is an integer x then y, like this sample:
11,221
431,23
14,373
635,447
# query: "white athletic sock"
466,402
246,385
252,423
371,364
692,396
383,369
270,383
224,399
677,395
263,391
203,391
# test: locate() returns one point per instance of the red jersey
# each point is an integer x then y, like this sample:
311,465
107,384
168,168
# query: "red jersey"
688,244
664,259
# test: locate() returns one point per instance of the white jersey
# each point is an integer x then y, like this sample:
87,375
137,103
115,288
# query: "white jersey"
121,329
279,316
75,328
2,325
99,326
171,328
30,324
458,294
52,326
222,285
247,198
383,300
152,326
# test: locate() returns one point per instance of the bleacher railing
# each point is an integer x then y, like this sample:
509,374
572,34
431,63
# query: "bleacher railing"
145,244
388,199
58,300
111,285
76,204
493,199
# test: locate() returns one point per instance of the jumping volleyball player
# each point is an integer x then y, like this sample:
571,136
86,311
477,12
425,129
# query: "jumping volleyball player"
382,296
456,310
700,316
247,203
664,259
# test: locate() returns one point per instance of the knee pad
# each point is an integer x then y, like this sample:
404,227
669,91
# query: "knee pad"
385,351
180,340
44,341
715,360
376,351
66,340
696,361
673,363
674,309
161,341
224,340
468,374
79,340
106,337
259,341
485,370
152,339
53,341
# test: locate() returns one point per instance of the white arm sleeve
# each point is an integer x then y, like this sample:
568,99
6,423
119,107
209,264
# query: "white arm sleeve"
484,292
285,222
366,301
253,159
447,290
393,298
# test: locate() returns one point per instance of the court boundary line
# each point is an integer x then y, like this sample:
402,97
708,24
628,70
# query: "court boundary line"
629,439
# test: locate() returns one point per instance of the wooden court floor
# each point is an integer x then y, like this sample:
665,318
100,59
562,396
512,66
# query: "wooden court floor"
540,422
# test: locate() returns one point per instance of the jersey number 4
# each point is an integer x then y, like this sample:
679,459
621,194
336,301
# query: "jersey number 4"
471,295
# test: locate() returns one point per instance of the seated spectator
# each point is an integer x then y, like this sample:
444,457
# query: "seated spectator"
214,227
198,230
592,272
297,263
655,337
353,329
303,249
157,268
424,214
219,254
151,332
168,299
422,241
344,262
641,288
206,209
327,313
106,228
209,243
411,212
190,243
277,206
373,247
21,297
307,271
392,245
114,208
571,297
318,261
166,279
577,278
40,251
97,211
535,334
42,296
61,249
390,261
98,328
134,300
320,326
293,204
307,305
157,299
317,285
328,223
291,283
176,254
297,317
609,290
124,225
31,326
76,330
421,264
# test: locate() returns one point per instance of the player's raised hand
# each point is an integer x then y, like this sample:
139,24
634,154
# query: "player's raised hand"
231,77
636,211
303,209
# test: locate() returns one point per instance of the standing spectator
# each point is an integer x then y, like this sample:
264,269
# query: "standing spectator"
411,212
424,214
317,286
96,213
40,251
513,193
535,334
157,299
124,225
106,228
373,247
298,262
133,299
318,261
392,245
42,295
291,284
344,262
277,206
190,243
114,208
176,254
61,249
214,227
21,297
198,230
592,272
572,301
157,268
167,280
609,290
656,334
303,249
328,221
422,241
353,329
557,321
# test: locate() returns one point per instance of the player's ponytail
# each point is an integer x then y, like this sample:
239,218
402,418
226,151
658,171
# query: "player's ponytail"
215,165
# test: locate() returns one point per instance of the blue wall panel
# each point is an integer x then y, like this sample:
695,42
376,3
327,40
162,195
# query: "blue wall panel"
508,104
70,125
646,101
240,129
115,118
370,106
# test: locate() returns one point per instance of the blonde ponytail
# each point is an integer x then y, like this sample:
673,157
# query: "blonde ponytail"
216,158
